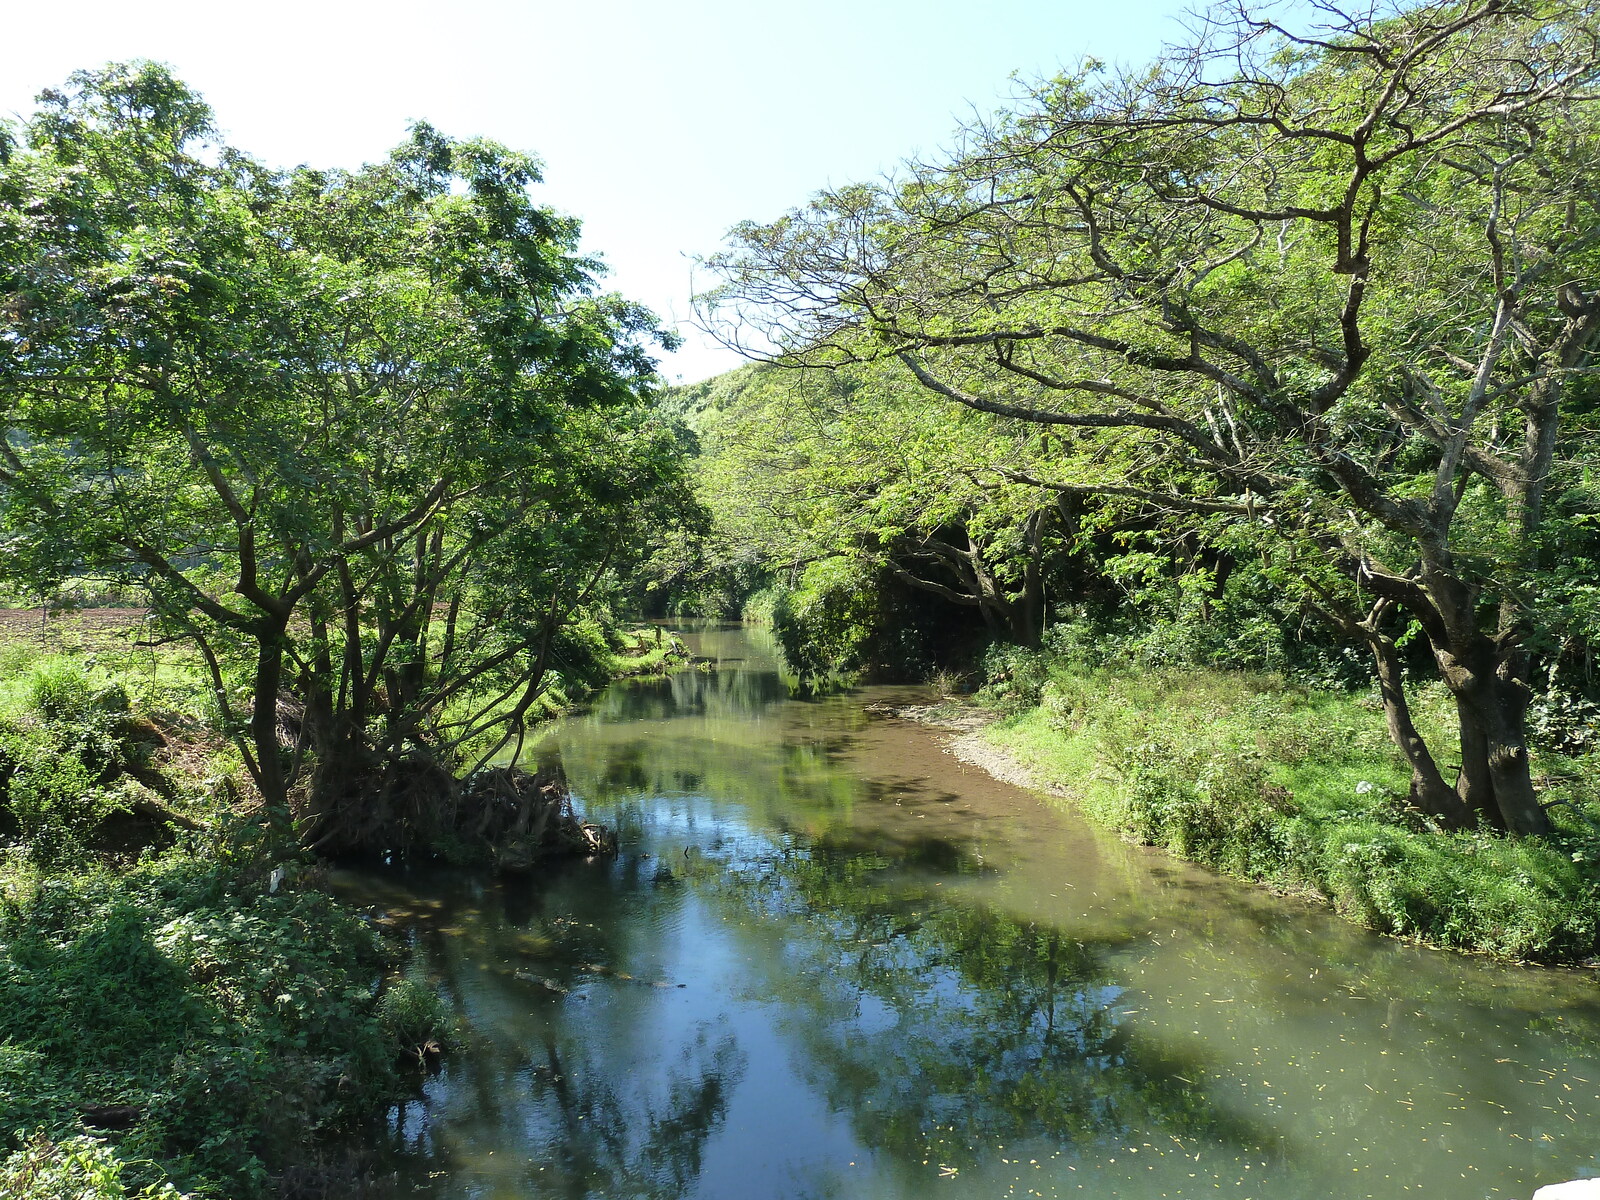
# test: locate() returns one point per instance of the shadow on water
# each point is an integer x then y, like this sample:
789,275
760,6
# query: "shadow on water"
830,961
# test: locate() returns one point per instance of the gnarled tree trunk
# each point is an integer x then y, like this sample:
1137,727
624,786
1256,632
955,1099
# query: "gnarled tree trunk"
1496,780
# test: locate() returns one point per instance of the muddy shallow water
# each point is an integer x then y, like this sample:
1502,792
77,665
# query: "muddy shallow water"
832,961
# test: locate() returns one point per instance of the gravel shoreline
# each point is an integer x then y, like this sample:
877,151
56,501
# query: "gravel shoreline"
968,744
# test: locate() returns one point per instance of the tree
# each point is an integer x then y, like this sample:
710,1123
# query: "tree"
1329,289
809,465
372,438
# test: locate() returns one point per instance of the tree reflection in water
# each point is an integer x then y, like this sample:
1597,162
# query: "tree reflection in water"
557,1062
604,1136
952,1031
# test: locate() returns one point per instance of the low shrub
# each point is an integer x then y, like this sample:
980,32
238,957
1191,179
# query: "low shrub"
231,1028
63,750
74,1168
414,1018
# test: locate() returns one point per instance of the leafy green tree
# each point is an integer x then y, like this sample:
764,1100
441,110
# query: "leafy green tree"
1329,291
372,439
808,466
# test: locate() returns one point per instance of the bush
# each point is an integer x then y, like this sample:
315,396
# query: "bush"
1014,677
847,620
74,1168
826,624
61,758
239,1026
413,1017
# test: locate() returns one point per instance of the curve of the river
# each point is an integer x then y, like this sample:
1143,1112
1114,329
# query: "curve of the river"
831,961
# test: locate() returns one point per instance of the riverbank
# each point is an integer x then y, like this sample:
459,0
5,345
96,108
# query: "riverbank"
966,724
184,1008
1297,790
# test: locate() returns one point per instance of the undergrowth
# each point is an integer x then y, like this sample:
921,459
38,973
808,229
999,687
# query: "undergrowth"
226,1026
175,1016
75,1168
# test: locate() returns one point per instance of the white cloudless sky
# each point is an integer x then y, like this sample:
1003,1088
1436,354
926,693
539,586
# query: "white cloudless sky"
660,125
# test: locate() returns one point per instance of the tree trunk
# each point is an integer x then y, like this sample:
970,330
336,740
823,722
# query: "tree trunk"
1496,779
1429,792
1474,784
1496,776
1027,610
1487,675
270,777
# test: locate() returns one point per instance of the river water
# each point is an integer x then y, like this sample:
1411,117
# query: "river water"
831,961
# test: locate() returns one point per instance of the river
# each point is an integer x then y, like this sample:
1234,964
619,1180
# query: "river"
831,961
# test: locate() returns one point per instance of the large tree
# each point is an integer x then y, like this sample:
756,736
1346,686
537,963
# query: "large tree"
369,439
1332,285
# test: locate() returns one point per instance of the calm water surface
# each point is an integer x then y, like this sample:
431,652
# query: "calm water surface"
831,961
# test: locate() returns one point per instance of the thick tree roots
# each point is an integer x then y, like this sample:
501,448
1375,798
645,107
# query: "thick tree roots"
520,817
504,816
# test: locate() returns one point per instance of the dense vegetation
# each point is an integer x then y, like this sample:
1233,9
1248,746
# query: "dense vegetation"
361,458
1322,300
1299,788
169,977
228,1029
371,442
1274,357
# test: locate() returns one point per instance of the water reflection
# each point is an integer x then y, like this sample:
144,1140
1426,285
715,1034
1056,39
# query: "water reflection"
832,962
954,1030
733,691
604,1136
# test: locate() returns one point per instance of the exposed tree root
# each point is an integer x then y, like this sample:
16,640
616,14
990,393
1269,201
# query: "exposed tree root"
507,816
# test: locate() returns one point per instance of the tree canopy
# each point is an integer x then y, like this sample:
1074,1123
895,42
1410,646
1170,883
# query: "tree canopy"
371,439
1324,292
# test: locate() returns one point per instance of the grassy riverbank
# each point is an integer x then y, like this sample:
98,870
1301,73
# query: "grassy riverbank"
183,1009
1301,790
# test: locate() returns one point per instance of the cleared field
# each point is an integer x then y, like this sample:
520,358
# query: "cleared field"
72,629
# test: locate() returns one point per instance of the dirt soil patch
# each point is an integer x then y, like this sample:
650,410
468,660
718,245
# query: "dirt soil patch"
970,746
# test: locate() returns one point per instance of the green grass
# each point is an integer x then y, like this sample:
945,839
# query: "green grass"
169,677
1302,790
652,651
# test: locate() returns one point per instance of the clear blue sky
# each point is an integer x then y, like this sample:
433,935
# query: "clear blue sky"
660,125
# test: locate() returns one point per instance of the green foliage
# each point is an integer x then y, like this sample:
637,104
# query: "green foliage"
1165,627
650,651
825,625
373,440
1014,677
62,753
239,1025
1299,297
73,1168
799,467
413,1015
1302,790
844,620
